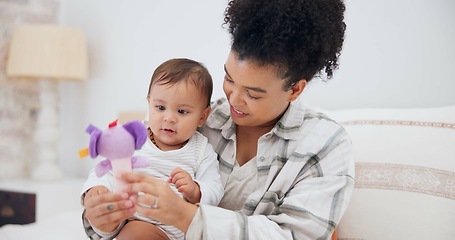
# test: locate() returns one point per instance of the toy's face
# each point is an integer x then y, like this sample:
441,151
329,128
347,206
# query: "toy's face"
116,142
175,111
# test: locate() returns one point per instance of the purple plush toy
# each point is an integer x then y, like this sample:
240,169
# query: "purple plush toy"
117,144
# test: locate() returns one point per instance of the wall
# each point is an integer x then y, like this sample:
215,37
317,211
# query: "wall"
398,53
19,98
127,41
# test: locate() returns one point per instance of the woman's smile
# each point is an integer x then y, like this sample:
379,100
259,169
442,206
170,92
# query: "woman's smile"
237,113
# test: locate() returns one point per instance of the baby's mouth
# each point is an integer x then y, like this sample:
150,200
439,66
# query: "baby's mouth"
168,130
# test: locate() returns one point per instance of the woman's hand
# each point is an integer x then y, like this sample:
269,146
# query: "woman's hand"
185,185
159,201
106,210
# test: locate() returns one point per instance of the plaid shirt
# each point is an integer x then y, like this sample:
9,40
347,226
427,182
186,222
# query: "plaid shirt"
305,172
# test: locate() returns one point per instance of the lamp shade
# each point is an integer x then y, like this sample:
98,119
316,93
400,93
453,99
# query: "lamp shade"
47,51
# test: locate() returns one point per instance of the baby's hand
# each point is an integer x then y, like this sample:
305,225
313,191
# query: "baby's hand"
185,185
95,191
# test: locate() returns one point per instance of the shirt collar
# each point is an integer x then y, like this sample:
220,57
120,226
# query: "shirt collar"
289,124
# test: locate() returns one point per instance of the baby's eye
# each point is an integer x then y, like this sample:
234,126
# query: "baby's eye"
160,107
181,111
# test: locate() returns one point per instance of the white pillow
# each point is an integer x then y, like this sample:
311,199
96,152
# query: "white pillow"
405,173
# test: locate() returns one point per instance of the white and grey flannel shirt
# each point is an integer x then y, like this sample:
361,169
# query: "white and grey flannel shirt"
305,171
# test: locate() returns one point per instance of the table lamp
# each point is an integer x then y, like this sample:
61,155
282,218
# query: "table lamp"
49,54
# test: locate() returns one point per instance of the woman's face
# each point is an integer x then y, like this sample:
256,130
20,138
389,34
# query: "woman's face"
255,93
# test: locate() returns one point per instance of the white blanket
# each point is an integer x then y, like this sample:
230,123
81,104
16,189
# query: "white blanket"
66,225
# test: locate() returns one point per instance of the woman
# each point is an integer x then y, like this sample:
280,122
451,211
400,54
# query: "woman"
286,169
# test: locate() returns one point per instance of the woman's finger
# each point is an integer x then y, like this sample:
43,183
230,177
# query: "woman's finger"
93,201
147,200
108,214
147,210
136,177
142,183
111,218
110,207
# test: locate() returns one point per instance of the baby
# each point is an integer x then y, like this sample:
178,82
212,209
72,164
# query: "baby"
179,102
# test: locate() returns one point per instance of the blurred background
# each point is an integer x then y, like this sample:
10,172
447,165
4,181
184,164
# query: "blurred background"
397,54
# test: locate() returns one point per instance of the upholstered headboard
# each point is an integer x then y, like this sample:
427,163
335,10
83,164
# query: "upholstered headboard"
405,173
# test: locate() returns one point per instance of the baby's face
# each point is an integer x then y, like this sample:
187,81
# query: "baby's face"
175,111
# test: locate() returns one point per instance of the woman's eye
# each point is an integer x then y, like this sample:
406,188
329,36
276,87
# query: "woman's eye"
228,79
251,96
160,107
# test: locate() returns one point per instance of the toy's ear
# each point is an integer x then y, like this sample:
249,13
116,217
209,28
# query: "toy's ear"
95,134
138,131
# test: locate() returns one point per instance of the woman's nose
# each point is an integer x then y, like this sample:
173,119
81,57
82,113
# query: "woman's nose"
235,98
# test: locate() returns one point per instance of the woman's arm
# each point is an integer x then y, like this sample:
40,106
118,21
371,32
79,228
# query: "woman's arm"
288,222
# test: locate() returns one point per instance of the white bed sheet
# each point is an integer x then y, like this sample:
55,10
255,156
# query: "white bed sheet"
66,225
58,210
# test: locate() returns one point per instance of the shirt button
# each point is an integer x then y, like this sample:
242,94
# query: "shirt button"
252,202
262,158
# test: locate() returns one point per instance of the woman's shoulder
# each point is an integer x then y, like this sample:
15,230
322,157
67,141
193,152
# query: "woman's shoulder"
218,103
317,133
319,116
302,121
219,115
300,114
319,121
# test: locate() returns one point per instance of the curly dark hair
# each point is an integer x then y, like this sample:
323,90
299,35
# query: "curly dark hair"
300,37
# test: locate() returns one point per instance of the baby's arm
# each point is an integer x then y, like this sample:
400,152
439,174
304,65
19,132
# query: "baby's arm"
185,185
208,177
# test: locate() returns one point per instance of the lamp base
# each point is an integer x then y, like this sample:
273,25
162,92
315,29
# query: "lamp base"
47,134
47,171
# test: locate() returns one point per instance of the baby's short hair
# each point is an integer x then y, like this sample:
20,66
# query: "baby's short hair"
182,69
